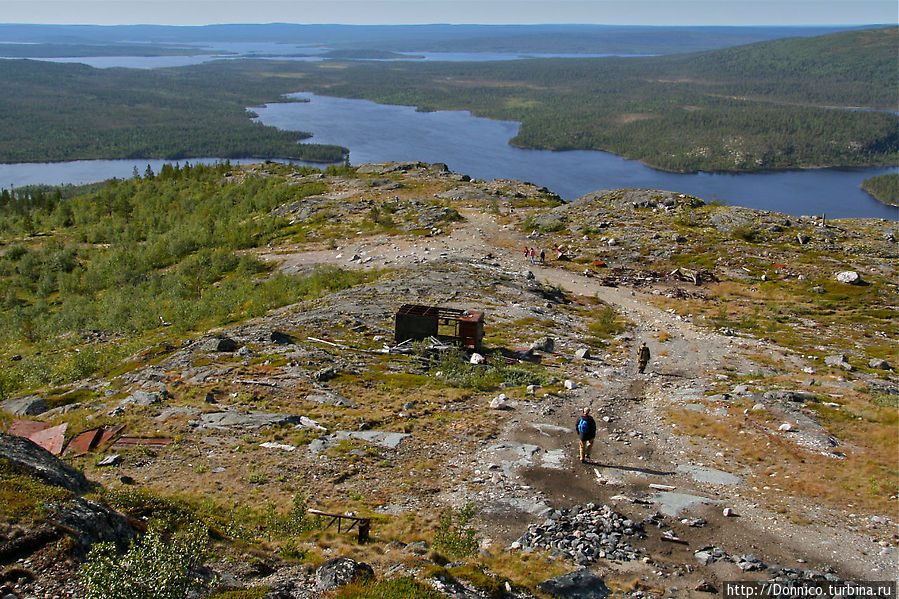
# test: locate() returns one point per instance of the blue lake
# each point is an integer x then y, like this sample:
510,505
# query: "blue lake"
479,147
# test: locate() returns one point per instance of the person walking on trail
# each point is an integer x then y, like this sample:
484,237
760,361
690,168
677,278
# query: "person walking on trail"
586,432
643,357
527,252
542,257
532,255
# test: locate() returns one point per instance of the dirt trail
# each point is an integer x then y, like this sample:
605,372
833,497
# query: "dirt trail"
534,463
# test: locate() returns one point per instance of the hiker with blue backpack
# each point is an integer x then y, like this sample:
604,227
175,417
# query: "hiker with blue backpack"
586,432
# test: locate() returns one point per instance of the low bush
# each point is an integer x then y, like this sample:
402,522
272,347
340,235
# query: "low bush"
156,566
455,535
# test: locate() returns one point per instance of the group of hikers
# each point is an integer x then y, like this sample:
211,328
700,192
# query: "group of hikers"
586,425
530,254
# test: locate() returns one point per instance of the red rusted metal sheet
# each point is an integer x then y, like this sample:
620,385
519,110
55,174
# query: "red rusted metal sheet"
132,442
26,428
109,432
92,439
51,439
84,442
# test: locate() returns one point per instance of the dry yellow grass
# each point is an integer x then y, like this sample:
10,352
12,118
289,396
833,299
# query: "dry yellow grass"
865,477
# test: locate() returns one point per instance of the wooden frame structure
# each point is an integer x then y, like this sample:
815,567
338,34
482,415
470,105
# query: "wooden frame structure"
416,322
364,524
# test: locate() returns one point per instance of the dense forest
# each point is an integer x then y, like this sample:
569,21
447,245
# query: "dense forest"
885,188
51,112
129,255
783,104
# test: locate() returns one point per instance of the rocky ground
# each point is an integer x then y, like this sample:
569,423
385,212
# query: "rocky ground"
702,466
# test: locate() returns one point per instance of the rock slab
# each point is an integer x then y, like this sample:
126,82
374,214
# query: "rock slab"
339,571
29,458
580,584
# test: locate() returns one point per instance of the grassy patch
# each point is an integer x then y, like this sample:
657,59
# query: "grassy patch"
22,497
866,476
395,588
606,323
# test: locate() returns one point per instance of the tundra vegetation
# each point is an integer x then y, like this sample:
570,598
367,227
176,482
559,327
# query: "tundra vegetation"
126,283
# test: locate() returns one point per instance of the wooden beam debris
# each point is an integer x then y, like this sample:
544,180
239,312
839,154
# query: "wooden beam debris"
364,524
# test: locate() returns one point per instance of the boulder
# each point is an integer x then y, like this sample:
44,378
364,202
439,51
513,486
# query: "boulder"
92,523
849,276
29,458
583,353
545,345
499,403
281,338
325,374
788,395
26,406
581,584
838,361
331,398
226,344
218,343
143,398
878,364
340,571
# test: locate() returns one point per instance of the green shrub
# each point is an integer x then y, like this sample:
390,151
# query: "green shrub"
455,535
458,372
606,324
154,567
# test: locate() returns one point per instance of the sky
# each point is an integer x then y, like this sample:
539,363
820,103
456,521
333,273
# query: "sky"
390,12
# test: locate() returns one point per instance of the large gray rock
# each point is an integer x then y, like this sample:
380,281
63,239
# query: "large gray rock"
545,345
329,397
228,419
29,458
340,571
789,395
879,364
143,398
838,361
92,523
26,406
850,277
581,584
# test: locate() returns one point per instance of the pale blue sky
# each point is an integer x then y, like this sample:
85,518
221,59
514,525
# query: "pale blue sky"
383,12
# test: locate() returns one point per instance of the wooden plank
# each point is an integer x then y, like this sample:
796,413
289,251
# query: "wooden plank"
132,442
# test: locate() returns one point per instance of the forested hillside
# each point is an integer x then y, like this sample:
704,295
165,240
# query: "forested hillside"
128,255
52,111
769,105
784,104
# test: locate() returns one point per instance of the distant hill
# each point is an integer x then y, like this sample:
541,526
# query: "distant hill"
771,105
579,39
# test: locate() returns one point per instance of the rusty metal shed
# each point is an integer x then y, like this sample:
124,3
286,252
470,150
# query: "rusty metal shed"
416,322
